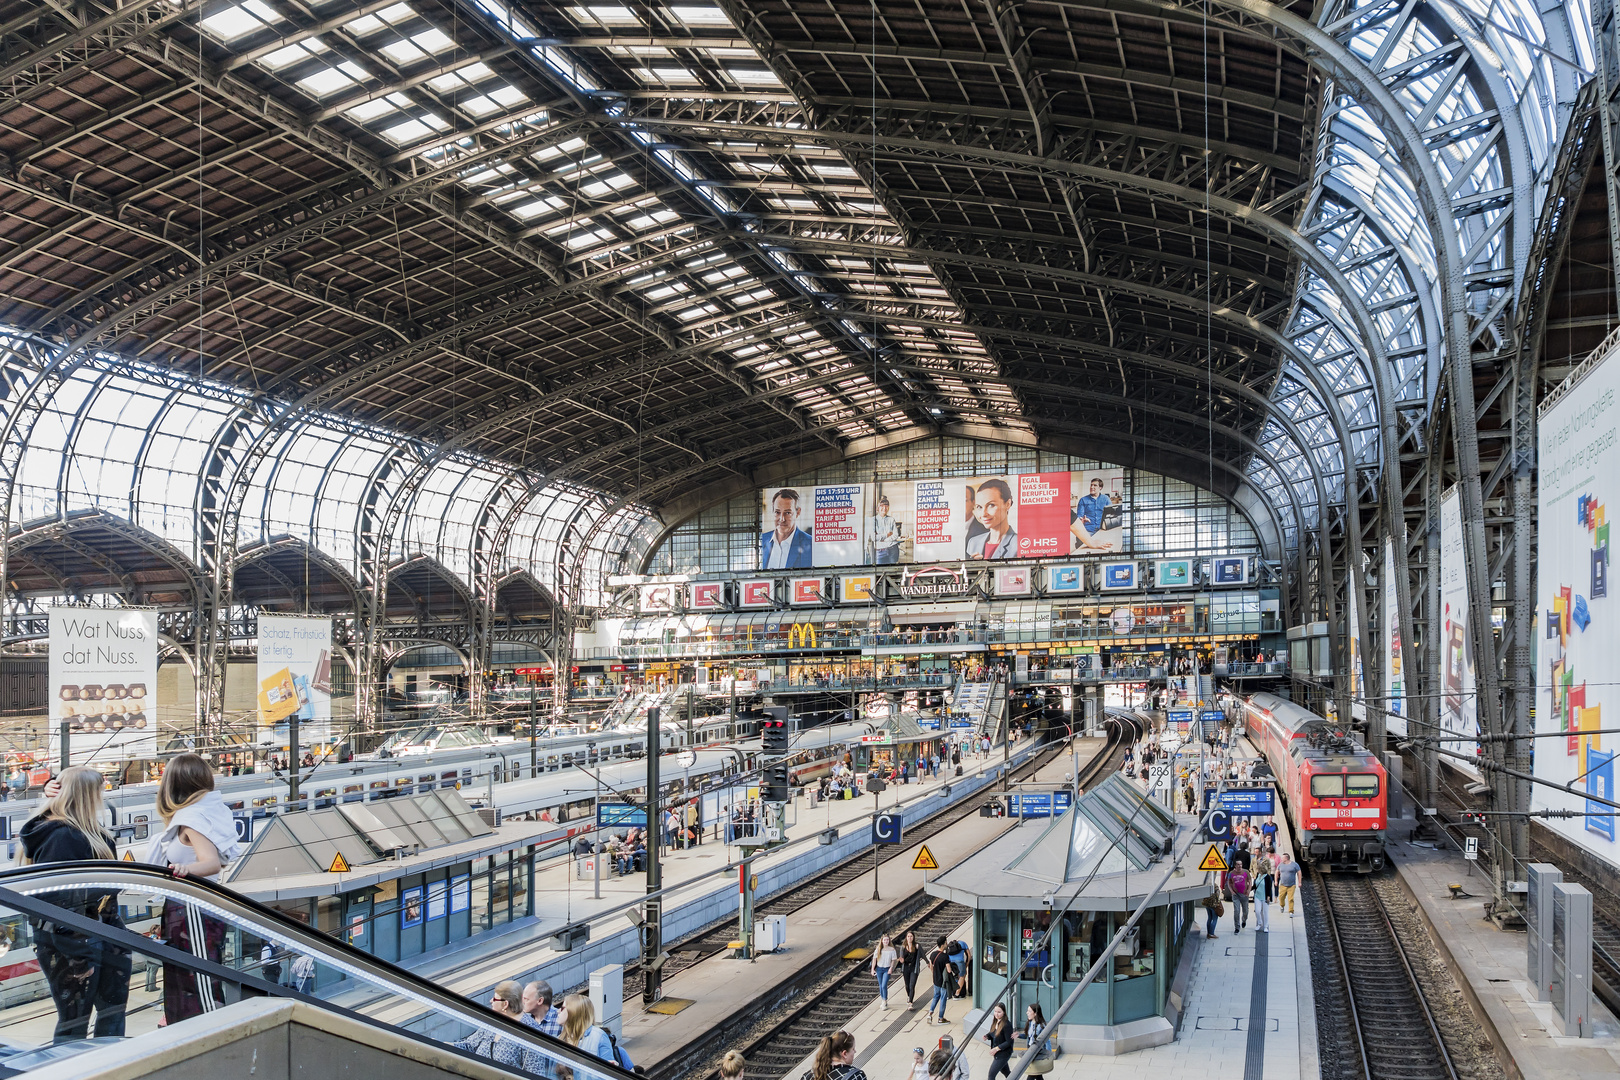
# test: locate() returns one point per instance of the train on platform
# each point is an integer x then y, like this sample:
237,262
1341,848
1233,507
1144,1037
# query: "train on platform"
1335,791
561,782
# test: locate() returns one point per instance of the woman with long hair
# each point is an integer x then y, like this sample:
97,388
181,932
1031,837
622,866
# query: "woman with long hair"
885,959
84,973
835,1058
1000,1038
731,1066
579,1028
198,839
1034,1025
507,1001
910,960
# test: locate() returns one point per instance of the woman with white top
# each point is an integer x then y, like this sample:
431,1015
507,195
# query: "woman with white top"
198,839
884,960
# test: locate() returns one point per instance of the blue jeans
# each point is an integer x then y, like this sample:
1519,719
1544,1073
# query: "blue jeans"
1210,919
941,996
883,983
889,556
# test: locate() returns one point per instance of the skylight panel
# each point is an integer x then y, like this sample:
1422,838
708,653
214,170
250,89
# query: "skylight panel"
546,204
843,172
329,81
698,312
754,76
412,130
370,110
586,239
604,15
602,185
699,15
412,50
643,222
293,54
668,74
239,21
547,153
664,292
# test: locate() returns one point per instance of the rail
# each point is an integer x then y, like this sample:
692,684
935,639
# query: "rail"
44,906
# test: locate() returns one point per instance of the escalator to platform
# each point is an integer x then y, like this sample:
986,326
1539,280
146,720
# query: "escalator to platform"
317,1008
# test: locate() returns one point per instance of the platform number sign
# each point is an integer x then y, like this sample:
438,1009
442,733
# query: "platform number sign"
1159,775
244,828
1471,849
887,828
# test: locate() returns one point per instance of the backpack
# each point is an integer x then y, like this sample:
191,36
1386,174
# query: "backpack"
620,1056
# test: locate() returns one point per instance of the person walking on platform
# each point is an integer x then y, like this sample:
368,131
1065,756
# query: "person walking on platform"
835,1059
1287,883
1237,885
1264,875
84,973
1000,1038
940,963
1213,910
885,958
910,958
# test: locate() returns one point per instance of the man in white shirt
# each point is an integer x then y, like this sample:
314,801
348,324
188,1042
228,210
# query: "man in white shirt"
884,535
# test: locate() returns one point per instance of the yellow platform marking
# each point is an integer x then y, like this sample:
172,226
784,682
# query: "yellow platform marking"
669,1006
1213,860
924,860
857,954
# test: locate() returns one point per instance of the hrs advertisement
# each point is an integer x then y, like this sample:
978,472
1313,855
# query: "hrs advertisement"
1011,516
1459,707
294,677
103,674
1578,646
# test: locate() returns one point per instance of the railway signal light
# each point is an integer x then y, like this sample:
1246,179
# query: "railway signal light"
776,784
773,734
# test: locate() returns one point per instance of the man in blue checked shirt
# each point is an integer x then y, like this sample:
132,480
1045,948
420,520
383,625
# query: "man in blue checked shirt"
540,1014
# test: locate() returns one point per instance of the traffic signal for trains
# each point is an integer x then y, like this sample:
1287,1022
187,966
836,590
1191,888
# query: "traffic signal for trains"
776,784
773,734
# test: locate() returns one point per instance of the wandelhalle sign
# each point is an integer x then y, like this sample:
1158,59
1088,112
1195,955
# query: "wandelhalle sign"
934,581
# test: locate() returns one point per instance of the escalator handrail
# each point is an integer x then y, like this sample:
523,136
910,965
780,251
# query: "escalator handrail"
264,922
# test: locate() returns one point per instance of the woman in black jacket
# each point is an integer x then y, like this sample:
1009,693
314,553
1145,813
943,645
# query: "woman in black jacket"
1000,1039
84,973
910,958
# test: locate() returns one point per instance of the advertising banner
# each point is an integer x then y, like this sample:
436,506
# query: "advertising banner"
1065,579
756,593
1459,709
1578,646
1012,581
103,682
1097,510
836,527
1230,570
1394,677
1358,681
659,598
708,595
1015,515
806,590
1173,573
1119,575
855,588
295,676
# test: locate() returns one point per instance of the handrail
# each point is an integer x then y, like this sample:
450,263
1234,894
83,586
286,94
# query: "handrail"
38,881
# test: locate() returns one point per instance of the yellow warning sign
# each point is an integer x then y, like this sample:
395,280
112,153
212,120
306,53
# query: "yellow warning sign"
1213,860
129,856
340,865
924,860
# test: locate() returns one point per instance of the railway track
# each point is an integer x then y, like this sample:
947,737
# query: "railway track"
714,938
1392,1027
775,1048
793,1038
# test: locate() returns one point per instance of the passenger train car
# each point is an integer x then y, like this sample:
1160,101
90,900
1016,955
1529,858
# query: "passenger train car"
561,782
1335,790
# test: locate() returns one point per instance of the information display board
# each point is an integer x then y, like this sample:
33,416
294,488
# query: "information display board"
1459,706
1577,637
1246,801
1039,804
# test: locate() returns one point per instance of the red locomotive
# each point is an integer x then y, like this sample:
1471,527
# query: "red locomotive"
1334,789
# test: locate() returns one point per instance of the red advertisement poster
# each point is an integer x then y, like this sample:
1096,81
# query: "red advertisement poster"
756,592
707,595
1043,514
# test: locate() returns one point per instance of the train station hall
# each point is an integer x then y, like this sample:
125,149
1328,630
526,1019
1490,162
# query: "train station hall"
492,488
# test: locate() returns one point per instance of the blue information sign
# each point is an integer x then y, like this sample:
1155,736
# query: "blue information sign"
961,722
1036,804
1178,716
1246,802
1212,716
888,828
613,815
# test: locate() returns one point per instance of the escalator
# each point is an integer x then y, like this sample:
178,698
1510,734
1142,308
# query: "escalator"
350,1014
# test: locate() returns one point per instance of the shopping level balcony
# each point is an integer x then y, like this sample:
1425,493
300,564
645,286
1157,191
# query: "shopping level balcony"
795,641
